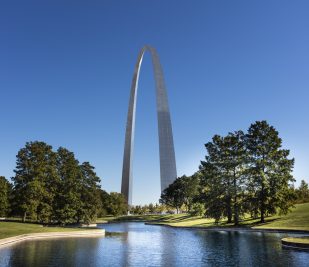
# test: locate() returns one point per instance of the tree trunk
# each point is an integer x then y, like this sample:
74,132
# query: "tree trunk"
262,205
236,215
24,217
229,202
187,206
262,213
263,195
229,211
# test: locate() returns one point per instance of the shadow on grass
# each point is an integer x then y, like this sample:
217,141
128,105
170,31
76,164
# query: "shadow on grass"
193,221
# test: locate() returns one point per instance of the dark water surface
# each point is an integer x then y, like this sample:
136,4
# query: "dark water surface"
146,245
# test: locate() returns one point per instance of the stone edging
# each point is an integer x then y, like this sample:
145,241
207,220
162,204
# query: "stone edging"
24,237
297,245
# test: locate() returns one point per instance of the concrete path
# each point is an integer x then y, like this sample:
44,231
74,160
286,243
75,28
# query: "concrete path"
19,238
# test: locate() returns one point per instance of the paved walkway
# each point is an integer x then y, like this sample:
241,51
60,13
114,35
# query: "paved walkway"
19,238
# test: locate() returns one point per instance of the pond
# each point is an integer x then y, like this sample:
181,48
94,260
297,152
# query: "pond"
149,245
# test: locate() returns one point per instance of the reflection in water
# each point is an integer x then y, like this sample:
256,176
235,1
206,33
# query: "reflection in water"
52,252
146,245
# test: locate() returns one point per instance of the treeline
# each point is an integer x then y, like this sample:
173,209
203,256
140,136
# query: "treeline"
302,193
53,187
150,209
243,173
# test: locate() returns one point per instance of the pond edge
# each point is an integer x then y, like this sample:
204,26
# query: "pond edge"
232,229
33,236
296,245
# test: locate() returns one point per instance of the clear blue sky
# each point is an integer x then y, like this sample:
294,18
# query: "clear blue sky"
66,69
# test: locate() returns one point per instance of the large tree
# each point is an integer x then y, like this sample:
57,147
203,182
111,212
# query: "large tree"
174,195
52,187
68,205
90,194
105,203
34,181
190,187
117,204
5,190
236,161
270,169
223,176
212,191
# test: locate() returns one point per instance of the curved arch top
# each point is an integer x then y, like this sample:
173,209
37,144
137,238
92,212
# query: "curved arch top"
168,171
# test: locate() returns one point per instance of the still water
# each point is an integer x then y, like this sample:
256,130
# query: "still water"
147,245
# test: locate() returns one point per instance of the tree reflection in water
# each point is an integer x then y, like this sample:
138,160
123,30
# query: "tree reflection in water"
147,245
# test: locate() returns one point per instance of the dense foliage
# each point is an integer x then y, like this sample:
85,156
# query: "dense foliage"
5,188
243,173
302,192
114,203
150,209
181,193
53,187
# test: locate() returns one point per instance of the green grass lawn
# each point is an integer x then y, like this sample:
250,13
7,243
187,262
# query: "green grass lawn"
8,229
298,219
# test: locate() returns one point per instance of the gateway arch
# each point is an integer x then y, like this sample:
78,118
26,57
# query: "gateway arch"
168,171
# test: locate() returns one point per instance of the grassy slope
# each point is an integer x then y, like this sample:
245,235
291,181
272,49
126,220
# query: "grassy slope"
298,219
8,229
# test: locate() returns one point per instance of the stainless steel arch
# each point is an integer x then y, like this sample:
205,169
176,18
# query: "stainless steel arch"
168,171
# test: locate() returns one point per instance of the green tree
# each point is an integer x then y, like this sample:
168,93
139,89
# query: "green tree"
213,189
224,178
190,188
235,165
5,190
174,195
118,205
68,204
90,195
302,192
105,203
151,208
159,208
138,210
34,181
269,169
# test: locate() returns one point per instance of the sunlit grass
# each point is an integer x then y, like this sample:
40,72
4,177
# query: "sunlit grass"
8,229
298,219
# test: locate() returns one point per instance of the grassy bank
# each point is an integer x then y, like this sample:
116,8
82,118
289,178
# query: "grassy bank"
296,243
9,229
302,240
298,219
